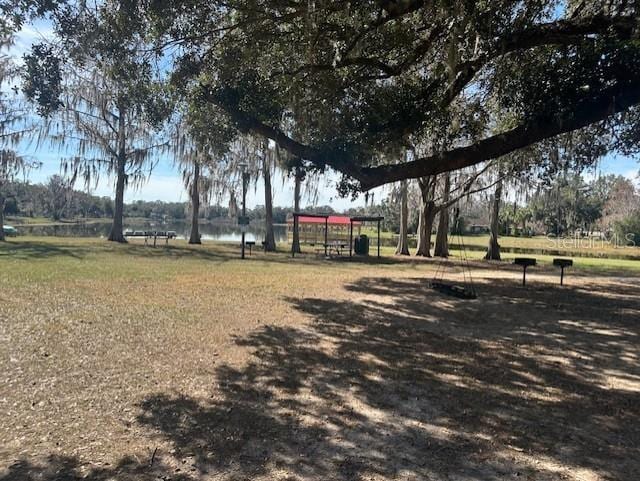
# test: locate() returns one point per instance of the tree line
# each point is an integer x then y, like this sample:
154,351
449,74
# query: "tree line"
54,200
606,207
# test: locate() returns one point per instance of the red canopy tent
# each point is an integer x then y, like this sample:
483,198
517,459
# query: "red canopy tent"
322,219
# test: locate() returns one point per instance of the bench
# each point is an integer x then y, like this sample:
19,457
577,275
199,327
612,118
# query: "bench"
155,235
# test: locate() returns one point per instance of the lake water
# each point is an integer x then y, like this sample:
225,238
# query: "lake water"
209,232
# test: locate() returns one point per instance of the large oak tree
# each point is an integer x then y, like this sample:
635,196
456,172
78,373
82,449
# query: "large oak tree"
375,75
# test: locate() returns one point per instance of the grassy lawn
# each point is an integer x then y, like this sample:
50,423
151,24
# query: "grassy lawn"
541,245
126,362
582,265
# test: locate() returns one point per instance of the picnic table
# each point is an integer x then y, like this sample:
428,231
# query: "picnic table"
155,235
337,247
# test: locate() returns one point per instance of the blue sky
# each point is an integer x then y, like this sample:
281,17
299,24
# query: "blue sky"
165,183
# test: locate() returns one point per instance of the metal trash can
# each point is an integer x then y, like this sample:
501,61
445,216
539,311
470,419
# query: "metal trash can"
361,245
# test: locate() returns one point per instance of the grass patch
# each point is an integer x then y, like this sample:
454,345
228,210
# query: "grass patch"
540,245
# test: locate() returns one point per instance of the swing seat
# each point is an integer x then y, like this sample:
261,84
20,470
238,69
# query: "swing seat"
461,291
454,290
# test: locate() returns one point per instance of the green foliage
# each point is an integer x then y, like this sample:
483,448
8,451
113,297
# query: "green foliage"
567,205
57,196
460,227
106,93
43,79
14,13
627,230
355,82
54,201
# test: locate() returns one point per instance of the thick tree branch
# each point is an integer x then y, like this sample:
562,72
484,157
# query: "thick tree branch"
590,110
608,102
294,147
561,32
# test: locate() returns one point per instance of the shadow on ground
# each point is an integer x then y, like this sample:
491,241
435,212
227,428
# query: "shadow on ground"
399,382
27,250
35,250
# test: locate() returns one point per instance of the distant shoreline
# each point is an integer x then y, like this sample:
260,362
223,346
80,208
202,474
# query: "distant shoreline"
40,222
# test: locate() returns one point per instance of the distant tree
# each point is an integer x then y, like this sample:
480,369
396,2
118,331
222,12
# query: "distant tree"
305,183
441,249
627,230
622,199
493,250
11,165
298,178
436,198
522,216
568,205
428,211
58,190
260,160
101,97
199,146
11,206
269,164
107,206
391,214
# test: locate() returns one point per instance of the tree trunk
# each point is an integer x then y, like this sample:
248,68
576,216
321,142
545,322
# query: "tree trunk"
403,239
233,206
493,251
269,238
430,211
427,215
295,244
116,234
421,244
2,238
194,238
424,242
441,248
